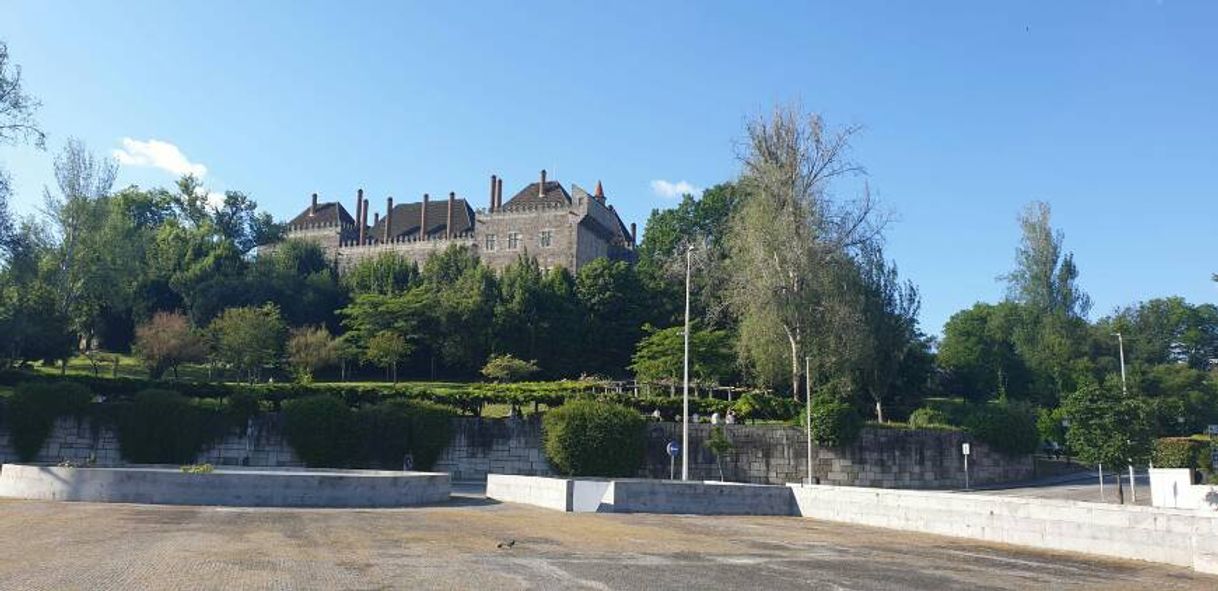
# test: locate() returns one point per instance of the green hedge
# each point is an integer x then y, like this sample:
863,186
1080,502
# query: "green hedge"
1006,428
594,438
325,432
835,423
470,399
31,412
1180,452
160,426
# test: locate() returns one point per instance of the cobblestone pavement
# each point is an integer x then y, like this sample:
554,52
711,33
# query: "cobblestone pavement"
102,546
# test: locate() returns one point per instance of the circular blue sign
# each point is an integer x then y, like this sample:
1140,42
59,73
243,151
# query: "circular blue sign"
674,448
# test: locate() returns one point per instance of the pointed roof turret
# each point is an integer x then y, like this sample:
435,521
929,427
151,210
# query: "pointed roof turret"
600,191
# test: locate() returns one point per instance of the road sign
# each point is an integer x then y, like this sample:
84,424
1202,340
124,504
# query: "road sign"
673,448
964,448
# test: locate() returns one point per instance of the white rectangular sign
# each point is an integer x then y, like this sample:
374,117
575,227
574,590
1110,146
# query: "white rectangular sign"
964,448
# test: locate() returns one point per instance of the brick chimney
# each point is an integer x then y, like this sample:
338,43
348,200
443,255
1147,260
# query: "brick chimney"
423,217
448,225
363,227
541,188
634,233
388,217
493,183
360,216
499,195
313,206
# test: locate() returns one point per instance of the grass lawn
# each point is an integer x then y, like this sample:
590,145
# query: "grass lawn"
128,367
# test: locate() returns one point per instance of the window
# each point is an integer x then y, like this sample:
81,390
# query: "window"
513,240
490,242
547,238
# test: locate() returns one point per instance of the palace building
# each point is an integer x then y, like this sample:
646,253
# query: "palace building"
543,220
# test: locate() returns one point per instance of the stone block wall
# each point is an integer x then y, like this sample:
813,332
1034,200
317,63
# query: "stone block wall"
762,454
886,458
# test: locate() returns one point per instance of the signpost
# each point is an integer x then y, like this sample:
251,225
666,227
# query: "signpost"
965,449
673,449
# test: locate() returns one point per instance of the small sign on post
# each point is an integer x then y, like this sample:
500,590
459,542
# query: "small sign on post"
673,449
965,449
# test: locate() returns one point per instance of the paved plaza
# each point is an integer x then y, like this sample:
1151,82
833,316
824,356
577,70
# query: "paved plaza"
49,545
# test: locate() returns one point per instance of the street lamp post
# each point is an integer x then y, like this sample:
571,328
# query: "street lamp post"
1121,348
685,395
808,418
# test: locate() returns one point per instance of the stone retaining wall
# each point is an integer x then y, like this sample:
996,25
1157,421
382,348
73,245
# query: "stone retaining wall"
762,454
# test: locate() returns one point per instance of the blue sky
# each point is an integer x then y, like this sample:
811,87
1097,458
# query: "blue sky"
1107,110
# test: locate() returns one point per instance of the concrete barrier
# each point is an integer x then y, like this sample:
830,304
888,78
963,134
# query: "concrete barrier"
540,491
1172,536
699,498
246,487
641,496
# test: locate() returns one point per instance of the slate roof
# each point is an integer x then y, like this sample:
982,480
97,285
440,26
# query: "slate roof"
331,213
555,194
406,219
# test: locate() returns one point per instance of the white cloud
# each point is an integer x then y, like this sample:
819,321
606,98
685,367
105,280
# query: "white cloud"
215,199
671,190
157,154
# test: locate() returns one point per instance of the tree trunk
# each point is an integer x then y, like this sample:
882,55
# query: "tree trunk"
794,364
879,411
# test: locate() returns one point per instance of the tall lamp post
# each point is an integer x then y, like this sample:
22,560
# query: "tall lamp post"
1121,348
689,251
808,418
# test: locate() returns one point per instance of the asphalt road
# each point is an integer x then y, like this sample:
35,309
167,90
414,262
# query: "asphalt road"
47,545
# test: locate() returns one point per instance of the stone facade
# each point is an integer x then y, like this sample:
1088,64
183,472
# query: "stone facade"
544,220
762,454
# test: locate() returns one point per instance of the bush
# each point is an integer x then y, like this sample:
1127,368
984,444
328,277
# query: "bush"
32,411
1178,452
163,427
1006,428
240,408
390,430
507,368
835,423
758,406
593,438
321,429
925,418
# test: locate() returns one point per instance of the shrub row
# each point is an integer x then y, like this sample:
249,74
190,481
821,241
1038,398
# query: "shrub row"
1184,452
1005,427
327,433
469,399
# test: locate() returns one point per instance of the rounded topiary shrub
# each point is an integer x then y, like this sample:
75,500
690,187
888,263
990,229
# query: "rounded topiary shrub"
321,430
390,430
924,418
32,411
835,423
1178,452
162,427
1006,428
593,438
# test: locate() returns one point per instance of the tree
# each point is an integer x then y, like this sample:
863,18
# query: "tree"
720,445
789,238
385,274
506,368
309,349
78,214
17,108
610,297
248,339
890,318
386,349
166,341
1053,332
237,219
1107,427
979,353
660,356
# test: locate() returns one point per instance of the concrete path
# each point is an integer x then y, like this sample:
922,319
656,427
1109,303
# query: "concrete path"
1081,486
45,545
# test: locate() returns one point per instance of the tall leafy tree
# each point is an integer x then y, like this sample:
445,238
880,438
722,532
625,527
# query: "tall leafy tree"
889,312
609,293
789,238
978,352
